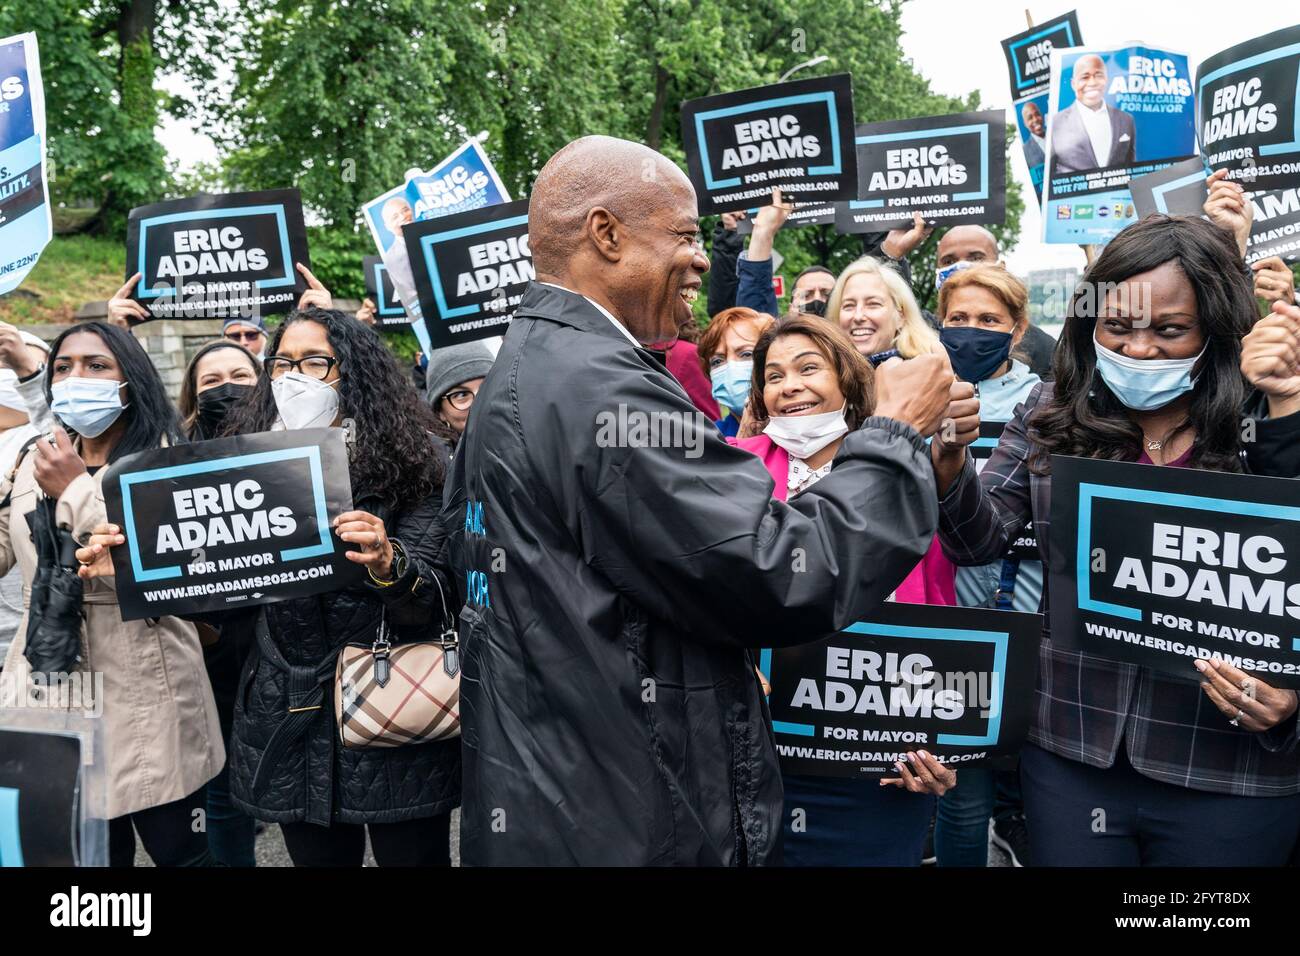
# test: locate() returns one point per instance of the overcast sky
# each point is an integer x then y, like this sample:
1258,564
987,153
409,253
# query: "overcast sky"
956,44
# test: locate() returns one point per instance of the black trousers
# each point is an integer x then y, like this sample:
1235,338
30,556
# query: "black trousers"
423,842
173,834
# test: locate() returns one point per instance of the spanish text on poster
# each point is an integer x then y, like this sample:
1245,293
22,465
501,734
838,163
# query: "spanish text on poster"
1114,114
957,682
25,223
229,523
1160,566
470,270
796,137
463,181
1248,111
379,289
218,256
947,168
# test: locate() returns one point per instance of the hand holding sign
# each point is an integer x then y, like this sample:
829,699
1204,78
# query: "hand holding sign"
1244,699
930,776
363,528
767,223
1228,208
316,296
900,243
57,464
122,309
1274,280
366,314
14,354
96,558
1270,359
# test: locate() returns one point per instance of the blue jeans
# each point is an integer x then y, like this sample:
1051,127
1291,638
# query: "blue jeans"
831,821
961,829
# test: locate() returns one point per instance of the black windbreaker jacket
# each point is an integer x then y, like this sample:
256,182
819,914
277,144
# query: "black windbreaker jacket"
611,586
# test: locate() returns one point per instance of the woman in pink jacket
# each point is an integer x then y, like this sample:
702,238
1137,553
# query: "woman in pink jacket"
810,388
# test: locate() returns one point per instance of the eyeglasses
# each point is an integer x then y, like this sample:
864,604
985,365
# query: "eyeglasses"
313,366
460,399
252,335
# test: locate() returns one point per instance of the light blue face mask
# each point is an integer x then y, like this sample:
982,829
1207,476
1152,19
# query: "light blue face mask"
87,405
731,384
1145,384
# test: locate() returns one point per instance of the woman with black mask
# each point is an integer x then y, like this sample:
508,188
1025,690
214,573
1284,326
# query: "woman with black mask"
221,376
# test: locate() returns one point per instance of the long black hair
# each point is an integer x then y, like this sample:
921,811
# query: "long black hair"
391,451
149,414
1083,416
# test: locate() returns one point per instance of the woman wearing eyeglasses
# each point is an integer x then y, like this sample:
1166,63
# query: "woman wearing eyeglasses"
453,378
324,368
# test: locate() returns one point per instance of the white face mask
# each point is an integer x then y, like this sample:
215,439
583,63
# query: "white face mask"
805,435
305,402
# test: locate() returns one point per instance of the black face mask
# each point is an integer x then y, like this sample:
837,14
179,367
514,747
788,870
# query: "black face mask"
215,404
975,353
814,307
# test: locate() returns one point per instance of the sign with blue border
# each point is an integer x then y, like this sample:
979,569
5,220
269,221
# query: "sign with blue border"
1161,566
25,223
218,256
1248,111
1029,54
230,522
379,288
957,682
40,800
796,137
470,270
950,169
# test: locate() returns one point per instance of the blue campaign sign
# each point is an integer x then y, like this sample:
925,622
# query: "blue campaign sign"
1029,54
25,224
955,681
1115,114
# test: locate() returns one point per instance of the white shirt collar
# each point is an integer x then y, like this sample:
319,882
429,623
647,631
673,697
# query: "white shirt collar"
603,311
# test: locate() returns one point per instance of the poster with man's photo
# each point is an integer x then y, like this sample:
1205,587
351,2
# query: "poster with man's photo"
218,256
795,136
228,523
1180,190
1247,103
464,181
957,682
1114,114
950,169
1162,566
25,222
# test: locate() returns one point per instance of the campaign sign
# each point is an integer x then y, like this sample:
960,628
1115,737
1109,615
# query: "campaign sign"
229,523
955,681
1180,190
1031,125
218,256
794,136
470,271
804,214
1114,115
379,289
1159,566
1029,54
25,224
1025,545
948,168
1248,111
40,801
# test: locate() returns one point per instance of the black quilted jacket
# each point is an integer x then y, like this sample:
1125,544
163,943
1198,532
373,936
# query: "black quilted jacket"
314,778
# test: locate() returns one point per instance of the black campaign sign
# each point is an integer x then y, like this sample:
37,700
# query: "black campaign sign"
470,270
949,168
221,256
1024,547
1246,111
1160,566
379,288
796,137
954,681
1029,54
39,798
230,522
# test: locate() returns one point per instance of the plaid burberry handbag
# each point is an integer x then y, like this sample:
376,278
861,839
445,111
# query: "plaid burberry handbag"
386,696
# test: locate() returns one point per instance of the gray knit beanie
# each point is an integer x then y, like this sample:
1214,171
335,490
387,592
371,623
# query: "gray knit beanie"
453,364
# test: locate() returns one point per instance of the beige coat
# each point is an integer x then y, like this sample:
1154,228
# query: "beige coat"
160,730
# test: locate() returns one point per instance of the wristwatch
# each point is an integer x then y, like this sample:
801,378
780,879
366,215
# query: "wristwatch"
397,570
